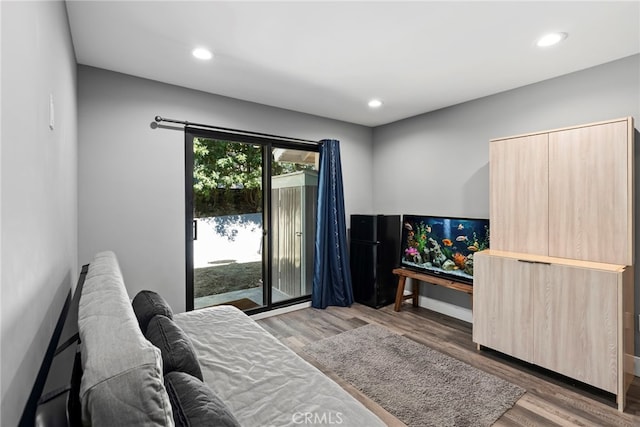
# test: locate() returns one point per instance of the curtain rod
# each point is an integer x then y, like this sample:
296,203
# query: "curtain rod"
160,119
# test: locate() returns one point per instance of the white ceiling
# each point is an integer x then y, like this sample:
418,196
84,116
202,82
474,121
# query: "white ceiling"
330,58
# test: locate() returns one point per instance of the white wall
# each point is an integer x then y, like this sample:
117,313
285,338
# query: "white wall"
131,177
39,190
438,163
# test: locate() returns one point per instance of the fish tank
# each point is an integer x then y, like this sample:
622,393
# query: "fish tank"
443,246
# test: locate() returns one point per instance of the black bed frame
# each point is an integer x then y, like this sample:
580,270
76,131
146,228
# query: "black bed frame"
54,399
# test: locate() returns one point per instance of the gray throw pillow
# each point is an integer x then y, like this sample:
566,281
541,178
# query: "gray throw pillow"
175,346
195,404
146,305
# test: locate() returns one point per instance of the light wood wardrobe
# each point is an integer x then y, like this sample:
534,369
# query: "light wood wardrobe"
556,287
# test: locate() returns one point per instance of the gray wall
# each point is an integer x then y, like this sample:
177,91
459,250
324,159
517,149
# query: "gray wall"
131,186
38,224
437,163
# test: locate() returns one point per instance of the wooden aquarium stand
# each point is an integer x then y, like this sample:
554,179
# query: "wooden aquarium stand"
403,273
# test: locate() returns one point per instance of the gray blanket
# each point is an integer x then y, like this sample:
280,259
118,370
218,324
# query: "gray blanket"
261,380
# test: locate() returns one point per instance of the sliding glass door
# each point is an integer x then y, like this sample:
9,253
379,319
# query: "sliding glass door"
294,185
250,213
227,223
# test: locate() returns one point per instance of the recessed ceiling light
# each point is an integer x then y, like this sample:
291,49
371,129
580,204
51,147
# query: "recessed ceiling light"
551,39
202,53
375,103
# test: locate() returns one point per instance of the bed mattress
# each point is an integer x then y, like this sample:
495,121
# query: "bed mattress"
263,382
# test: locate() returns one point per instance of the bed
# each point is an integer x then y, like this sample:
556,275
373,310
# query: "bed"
115,371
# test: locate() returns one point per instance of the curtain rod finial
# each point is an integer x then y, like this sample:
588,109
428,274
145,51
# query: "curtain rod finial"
158,119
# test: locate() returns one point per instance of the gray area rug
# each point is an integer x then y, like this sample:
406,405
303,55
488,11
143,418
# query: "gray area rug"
418,385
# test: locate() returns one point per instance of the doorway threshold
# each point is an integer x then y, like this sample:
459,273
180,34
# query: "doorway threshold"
254,294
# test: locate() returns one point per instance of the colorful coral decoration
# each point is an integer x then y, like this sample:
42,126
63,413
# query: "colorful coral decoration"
459,260
411,251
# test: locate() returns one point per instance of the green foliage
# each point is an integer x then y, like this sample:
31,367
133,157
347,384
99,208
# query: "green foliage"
484,243
228,176
224,164
418,238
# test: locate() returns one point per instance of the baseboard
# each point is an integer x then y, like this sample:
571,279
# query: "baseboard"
282,310
452,310
636,366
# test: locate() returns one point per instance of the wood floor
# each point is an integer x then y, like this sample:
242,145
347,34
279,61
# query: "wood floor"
550,400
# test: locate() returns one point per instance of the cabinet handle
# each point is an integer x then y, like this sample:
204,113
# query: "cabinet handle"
534,262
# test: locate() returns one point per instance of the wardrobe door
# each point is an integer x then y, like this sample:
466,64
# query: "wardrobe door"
590,184
576,323
502,305
519,194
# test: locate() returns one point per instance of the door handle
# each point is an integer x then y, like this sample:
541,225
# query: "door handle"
195,229
534,262
298,233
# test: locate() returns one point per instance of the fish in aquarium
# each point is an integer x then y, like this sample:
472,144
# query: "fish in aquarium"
443,245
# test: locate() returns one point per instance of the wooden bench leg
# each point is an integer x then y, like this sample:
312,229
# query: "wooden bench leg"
400,293
417,278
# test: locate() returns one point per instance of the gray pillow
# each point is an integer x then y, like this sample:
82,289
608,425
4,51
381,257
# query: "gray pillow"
146,305
195,404
175,346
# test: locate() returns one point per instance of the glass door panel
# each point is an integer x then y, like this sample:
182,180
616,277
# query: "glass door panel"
227,224
294,184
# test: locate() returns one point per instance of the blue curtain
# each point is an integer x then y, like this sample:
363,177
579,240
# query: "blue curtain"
331,272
